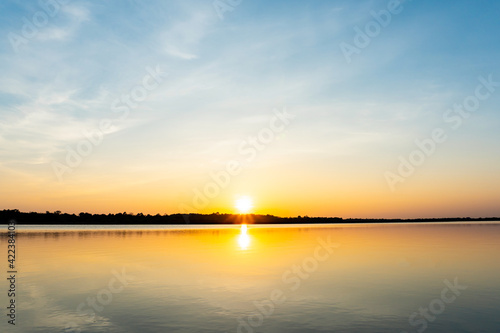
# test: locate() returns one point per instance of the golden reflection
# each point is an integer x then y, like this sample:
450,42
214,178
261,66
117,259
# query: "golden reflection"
243,237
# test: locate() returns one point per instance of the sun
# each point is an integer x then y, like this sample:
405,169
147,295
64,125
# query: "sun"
244,204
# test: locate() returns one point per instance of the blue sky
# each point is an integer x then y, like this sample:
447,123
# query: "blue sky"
221,81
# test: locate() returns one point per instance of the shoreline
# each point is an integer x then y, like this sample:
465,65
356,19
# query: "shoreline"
125,219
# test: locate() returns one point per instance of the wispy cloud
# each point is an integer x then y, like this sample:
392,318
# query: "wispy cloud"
224,77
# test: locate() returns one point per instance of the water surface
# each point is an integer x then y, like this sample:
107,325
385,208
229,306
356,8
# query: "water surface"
301,278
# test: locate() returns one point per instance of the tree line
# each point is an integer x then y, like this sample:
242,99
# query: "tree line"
59,218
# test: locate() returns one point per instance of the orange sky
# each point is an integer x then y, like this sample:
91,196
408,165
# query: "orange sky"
269,104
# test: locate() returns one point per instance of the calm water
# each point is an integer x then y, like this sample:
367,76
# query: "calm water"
365,278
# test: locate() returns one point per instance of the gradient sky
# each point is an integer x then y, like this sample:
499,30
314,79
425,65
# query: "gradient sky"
222,81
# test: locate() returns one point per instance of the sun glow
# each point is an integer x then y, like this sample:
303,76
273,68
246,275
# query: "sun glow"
243,238
244,204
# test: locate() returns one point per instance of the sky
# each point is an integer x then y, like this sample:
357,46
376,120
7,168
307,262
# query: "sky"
318,108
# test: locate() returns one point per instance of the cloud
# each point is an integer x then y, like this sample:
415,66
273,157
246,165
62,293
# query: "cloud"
183,37
66,23
175,52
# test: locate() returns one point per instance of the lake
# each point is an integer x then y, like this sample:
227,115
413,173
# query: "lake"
428,277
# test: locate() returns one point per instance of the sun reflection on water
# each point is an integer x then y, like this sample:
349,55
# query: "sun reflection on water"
244,238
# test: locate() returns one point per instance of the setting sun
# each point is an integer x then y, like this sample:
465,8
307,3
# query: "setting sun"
244,204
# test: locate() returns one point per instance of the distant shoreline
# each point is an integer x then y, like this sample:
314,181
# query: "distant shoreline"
58,218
